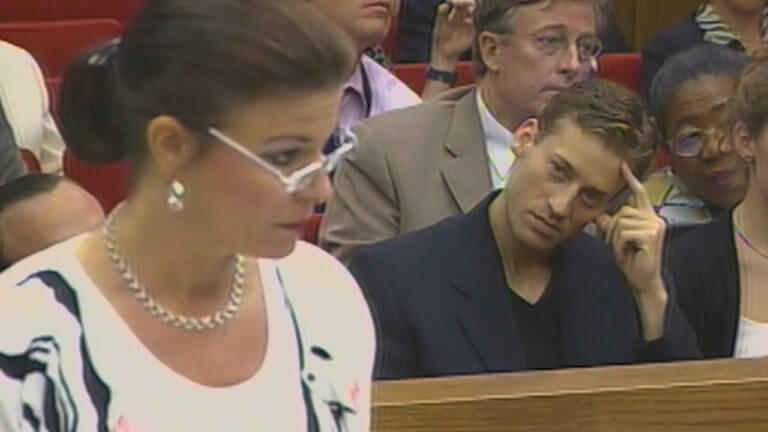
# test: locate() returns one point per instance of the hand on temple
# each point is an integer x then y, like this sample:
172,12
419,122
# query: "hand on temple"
636,235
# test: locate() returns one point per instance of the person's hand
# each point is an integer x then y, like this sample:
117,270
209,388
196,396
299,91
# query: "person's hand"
636,234
452,33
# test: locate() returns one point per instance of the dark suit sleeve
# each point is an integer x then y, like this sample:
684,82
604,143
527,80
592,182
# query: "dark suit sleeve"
395,353
677,343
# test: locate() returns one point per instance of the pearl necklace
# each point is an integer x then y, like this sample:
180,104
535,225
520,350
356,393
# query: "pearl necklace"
210,322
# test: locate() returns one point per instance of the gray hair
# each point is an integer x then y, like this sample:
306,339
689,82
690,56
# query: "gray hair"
496,16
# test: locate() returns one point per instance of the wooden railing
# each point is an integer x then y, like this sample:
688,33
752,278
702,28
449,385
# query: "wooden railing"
722,395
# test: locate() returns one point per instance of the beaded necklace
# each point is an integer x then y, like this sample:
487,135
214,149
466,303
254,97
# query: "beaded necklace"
210,322
740,234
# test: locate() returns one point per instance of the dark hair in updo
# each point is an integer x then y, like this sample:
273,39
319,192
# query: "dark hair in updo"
702,60
195,60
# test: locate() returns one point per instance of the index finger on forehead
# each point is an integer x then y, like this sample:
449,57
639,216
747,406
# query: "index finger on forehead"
638,190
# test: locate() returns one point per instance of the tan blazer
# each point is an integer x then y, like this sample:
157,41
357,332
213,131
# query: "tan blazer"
412,168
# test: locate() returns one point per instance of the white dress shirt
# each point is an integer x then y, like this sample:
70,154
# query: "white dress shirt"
498,145
25,99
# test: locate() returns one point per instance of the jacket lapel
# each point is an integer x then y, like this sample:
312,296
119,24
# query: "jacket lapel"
467,175
484,309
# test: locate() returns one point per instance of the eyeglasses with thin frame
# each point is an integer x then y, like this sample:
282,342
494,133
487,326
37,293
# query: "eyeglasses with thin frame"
553,43
690,144
302,177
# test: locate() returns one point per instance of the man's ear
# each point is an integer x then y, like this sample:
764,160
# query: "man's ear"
525,136
743,141
171,146
490,46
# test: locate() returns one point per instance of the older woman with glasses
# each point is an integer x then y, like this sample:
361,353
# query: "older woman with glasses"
688,98
195,307
721,269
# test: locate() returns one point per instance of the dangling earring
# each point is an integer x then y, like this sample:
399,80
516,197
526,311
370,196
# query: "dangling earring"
749,159
175,199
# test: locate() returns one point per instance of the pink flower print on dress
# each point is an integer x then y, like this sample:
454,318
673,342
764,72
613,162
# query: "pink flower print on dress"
124,426
354,392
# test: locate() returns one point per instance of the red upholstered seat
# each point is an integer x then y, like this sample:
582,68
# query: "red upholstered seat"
54,44
413,75
624,69
312,228
108,183
30,160
45,10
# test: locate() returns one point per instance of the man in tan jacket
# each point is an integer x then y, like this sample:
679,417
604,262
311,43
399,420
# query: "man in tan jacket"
416,166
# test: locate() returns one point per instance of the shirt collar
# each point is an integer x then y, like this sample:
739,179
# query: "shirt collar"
493,129
355,81
498,142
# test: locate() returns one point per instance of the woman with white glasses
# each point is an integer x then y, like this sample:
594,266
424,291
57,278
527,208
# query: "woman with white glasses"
195,307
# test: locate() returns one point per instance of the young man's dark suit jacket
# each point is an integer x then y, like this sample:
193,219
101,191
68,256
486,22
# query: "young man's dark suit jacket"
441,307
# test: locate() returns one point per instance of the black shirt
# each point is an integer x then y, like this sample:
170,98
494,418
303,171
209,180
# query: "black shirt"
539,328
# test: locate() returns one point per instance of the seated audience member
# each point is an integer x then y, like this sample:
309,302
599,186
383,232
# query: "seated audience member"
419,18
417,166
24,101
741,25
195,307
371,89
515,284
720,270
40,210
688,97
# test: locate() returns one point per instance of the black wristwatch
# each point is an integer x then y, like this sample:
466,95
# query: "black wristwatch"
441,75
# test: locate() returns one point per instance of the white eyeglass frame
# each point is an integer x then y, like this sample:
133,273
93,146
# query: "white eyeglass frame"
302,177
